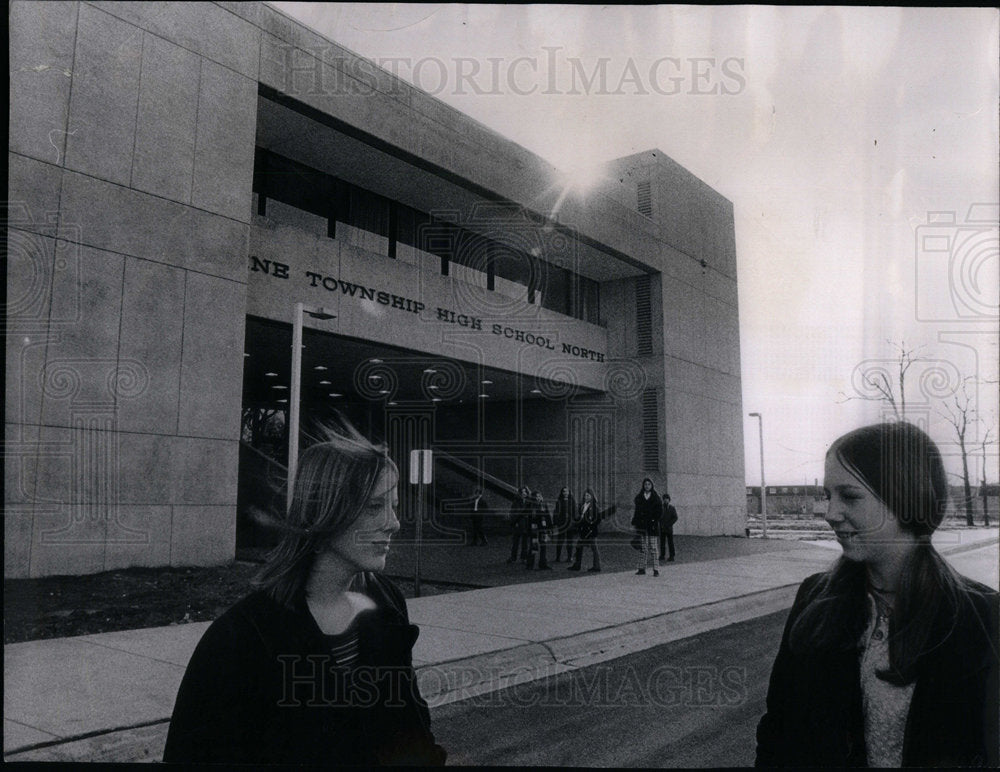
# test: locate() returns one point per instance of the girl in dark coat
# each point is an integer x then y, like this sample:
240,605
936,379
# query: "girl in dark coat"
541,530
562,519
518,518
890,657
588,519
315,667
646,521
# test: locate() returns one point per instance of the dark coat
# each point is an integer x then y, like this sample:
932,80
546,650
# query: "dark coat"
588,522
540,521
814,714
669,516
260,687
519,516
647,512
563,512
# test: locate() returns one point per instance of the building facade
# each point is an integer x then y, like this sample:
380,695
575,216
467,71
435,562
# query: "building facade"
182,175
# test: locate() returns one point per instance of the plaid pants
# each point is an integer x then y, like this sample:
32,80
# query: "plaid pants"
649,555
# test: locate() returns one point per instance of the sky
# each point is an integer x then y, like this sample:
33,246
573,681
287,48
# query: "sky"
859,147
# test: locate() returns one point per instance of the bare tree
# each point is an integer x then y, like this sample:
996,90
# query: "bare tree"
961,414
984,443
883,384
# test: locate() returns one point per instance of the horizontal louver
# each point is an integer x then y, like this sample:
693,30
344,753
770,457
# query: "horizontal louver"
645,199
643,317
650,441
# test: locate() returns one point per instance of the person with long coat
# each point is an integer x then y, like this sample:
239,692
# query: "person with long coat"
588,523
646,521
562,522
541,531
889,658
518,518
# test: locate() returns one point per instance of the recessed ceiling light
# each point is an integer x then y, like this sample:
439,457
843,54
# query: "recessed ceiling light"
324,383
279,386
391,403
483,395
375,361
335,394
433,386
383,391
536,391
435,399
245,354
270,375
282,400
319,367
487,382
430,370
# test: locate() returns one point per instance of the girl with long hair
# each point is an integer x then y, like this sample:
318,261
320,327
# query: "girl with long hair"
588,520
889,658
646,520
316,665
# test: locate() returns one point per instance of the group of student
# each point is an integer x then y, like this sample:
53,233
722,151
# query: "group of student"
533,528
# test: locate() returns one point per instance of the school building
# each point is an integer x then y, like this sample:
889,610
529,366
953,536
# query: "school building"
184,175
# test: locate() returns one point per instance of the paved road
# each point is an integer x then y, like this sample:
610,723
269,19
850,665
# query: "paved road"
692,703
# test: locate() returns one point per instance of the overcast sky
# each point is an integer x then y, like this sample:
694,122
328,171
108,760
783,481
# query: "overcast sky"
834,132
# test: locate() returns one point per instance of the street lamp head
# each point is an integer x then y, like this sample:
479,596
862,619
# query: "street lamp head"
756,414
321,314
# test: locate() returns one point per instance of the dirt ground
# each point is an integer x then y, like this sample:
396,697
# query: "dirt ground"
60,606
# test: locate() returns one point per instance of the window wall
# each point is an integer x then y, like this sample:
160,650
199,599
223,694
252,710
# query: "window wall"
508,263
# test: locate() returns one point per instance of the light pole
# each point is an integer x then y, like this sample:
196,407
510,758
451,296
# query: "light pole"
296,390
763,488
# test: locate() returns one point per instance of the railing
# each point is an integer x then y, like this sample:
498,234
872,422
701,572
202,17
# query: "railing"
494,482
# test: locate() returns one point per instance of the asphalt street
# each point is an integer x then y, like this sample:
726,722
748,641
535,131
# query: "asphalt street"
691,703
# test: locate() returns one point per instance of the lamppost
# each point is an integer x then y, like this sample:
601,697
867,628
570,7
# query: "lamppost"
763,489
296,389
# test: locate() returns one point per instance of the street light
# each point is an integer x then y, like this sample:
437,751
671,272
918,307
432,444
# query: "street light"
763,489
294,397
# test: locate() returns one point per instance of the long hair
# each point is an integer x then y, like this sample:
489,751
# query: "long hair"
593,500
901,466
333,483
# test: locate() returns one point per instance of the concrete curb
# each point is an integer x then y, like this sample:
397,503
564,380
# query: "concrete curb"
446,682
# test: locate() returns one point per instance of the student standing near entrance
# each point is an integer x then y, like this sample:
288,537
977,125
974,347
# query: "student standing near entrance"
589,520
316,666
667,527
518,519
562,521
646,520
476,510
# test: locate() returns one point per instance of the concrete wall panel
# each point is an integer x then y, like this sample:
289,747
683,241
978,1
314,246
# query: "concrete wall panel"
163,163
134,223
81,366
212,359
40,43
227,123
139,536
102,112
207,29
151,331
202,536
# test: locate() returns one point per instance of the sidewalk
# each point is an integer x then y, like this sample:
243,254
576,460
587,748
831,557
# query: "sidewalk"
108,697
